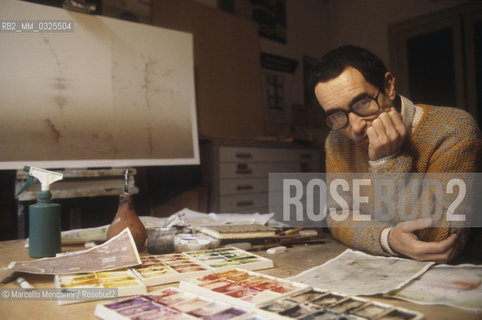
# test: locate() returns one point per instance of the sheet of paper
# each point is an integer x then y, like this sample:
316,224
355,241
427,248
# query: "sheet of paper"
456,286
118,252
184,217
77,236
197,219
358,273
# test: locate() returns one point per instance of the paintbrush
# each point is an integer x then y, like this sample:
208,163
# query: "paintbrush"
9,276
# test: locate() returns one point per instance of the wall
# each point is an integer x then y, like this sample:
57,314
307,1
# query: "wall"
306,35
315,26
229,97
365,23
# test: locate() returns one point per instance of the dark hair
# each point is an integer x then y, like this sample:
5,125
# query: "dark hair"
333,63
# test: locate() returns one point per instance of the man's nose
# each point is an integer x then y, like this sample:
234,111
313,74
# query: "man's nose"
357,123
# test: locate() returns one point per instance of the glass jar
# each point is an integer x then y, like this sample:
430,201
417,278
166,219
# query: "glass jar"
160,240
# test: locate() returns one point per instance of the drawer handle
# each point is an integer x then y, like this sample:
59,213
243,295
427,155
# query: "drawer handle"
244,187
243,155
306,156
244,203
242,168
244,171
305,167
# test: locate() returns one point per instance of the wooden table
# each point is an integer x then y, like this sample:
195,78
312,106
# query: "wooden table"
287,264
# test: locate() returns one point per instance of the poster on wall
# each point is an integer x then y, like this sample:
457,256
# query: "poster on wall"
278,79
269,14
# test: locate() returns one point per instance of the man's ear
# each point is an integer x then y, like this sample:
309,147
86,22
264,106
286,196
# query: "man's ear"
390,86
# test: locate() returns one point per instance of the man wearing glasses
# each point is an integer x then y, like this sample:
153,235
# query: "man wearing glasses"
375,130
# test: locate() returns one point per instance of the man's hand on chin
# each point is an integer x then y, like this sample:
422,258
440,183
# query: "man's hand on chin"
386,135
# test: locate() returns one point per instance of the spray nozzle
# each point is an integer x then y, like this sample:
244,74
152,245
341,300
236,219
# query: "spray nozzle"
45,177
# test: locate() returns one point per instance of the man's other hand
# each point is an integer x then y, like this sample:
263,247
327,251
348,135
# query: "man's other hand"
403,240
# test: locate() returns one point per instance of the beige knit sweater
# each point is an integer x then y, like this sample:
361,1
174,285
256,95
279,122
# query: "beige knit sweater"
440,140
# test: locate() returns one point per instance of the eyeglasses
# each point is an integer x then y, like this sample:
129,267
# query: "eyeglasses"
365,107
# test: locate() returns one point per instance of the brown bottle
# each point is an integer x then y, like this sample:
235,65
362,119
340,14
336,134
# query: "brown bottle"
127,217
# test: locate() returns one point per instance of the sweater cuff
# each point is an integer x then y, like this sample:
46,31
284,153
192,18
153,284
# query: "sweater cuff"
381,161
384,242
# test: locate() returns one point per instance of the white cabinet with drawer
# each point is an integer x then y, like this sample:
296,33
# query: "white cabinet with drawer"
237,172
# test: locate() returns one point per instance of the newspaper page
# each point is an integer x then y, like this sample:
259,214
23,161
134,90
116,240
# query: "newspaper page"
358,273
118,252
456,286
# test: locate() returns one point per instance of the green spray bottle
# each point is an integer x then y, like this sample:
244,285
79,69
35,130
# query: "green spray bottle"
44,216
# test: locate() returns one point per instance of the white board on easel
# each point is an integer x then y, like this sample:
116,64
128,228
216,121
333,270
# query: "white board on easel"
110,93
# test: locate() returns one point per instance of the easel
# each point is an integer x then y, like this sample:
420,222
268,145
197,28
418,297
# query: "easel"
77,183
